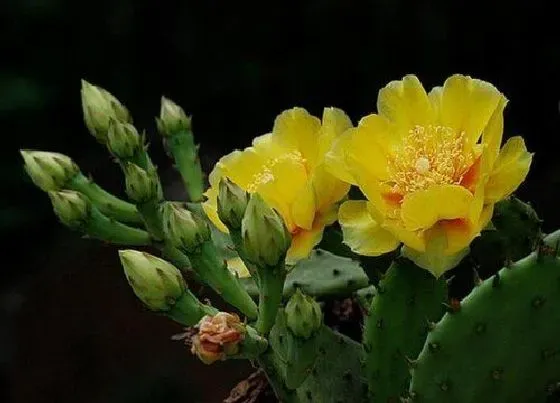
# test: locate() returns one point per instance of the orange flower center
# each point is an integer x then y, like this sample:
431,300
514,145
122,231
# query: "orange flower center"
429,155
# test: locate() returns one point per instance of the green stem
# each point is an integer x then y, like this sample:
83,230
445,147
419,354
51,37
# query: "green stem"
107,229
185,154
270,296
188,310
151,216
235,236
107,203
214,272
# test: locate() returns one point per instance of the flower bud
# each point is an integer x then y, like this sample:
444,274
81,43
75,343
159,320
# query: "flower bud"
232,203
172,118
99,107
265,236
49,171
142,186
218,336
303,315
72,208
157,283
183,228
123,140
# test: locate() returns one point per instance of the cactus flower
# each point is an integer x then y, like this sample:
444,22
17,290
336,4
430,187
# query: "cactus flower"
287,168
183,228
431,168
218,336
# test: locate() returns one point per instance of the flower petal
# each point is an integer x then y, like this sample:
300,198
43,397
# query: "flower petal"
210,207
303,243
405,103
298,130
423,208
335,159
327,188
492,137
363,234
303,208
335,122
236,266
434,259
467,105
510,169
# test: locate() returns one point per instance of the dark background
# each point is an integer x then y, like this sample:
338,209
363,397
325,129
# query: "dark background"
70,328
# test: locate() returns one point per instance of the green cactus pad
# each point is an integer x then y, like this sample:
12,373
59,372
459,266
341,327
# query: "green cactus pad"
397,323
322,275
503,344
336,376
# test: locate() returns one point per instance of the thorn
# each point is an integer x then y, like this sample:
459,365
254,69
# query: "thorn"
454,305
449,280
509,263
412,364
476,277
431,325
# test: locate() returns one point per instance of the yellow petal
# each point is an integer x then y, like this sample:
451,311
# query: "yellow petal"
361,233
423,208
236,266
303,208
467,105
327,188
435,96
366,154
412,239
405,103
492,137
335,122
335,159
298,130
303,243
210,207
281,185
241,167
510,169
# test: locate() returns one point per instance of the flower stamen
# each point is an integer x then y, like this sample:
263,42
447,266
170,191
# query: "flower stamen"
429,155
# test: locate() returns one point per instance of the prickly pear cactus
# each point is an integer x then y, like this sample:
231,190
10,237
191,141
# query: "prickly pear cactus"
400,213
503,341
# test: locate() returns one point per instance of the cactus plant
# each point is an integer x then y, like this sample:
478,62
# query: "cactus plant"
398,212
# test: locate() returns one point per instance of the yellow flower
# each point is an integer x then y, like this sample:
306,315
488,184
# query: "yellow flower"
431,168
287,168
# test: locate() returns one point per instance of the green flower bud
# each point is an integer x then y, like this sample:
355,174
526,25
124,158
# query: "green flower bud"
49,171
232,203
99,107
172,118
157,283
303,315
72,208
142,186
265,236
183,228
123,140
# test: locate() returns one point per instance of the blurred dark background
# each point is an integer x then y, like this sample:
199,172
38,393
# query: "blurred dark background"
70,328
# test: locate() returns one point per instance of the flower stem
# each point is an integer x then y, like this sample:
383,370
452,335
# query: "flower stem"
214,272
107,229
188,310
151,216
271,286
185,153
107,203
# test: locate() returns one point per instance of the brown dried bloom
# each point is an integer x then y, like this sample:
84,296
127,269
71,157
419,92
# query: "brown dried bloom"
218,336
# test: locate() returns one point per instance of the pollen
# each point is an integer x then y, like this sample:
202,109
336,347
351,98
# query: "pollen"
266,173
429,155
